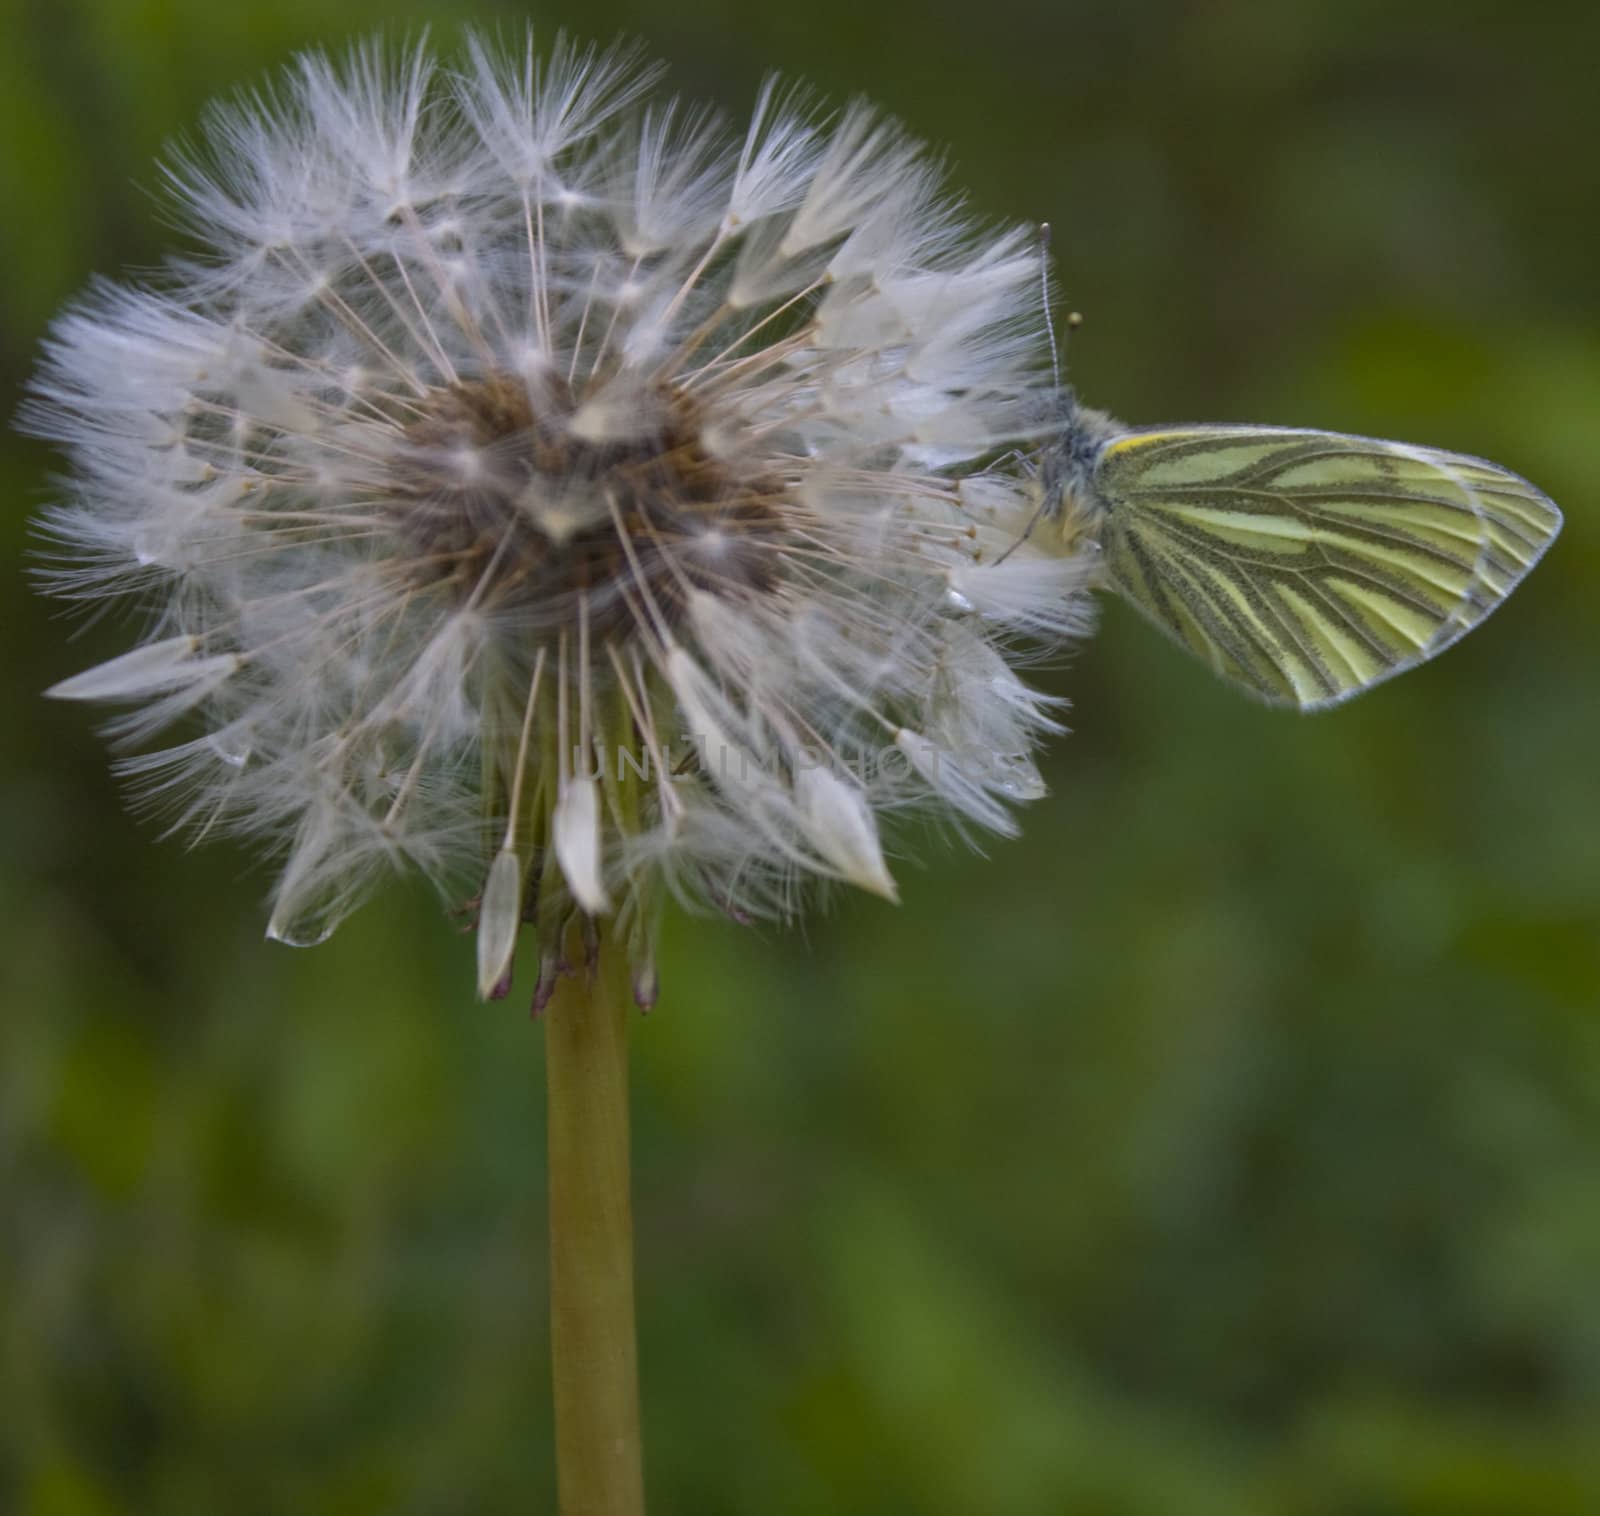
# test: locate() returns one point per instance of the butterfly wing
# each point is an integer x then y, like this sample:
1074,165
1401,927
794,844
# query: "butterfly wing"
1308,566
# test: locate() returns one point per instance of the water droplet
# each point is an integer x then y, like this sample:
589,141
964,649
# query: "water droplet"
1021,780
306,931
231,750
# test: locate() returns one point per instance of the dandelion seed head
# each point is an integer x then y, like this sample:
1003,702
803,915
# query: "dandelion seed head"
538,485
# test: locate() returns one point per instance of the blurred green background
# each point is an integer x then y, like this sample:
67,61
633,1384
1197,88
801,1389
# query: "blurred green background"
1229,1144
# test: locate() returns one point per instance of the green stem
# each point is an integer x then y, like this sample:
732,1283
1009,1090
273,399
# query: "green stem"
595,1358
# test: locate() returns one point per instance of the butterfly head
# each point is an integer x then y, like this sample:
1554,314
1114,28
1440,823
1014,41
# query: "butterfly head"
1071,506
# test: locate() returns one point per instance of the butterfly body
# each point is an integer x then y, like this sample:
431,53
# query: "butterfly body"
1305,566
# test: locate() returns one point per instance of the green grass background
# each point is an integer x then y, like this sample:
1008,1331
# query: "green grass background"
1229,1144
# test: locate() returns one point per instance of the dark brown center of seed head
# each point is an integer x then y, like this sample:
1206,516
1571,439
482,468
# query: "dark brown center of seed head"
501,496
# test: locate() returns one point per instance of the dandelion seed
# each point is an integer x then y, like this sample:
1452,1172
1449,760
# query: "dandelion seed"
517,436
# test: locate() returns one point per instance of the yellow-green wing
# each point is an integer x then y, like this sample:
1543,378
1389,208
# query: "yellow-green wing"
1307,566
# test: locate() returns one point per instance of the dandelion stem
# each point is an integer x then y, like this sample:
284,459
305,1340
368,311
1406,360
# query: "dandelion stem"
593,1346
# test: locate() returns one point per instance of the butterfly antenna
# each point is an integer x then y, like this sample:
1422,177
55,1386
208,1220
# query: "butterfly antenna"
1044,291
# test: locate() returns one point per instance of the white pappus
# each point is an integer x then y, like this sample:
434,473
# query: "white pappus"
530,482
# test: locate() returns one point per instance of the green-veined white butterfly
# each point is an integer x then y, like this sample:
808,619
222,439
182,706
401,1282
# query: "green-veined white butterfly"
1306,566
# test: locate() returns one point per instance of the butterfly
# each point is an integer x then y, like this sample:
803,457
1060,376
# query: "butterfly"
1305,566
